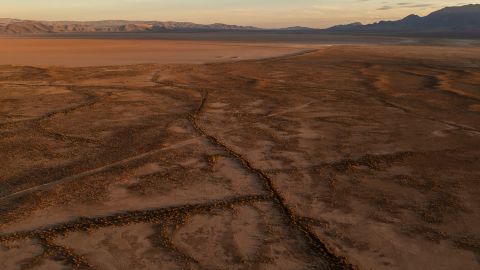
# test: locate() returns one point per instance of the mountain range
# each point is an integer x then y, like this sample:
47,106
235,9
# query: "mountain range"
14,26
450,19
464,19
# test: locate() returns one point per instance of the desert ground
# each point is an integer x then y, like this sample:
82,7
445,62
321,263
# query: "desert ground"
339,157
81,52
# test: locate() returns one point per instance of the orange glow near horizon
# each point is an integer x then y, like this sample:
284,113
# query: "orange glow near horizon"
266,13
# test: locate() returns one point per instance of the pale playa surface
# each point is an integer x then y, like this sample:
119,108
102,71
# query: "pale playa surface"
98,52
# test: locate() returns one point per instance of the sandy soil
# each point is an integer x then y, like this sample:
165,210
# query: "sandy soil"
348,157
98,52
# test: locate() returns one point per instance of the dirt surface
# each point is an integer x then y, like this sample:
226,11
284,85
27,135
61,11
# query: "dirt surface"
347,157
102,52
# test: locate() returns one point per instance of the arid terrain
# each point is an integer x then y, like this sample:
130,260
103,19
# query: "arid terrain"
78,52
341,157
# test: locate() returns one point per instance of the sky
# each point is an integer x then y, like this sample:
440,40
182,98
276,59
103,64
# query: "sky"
261,13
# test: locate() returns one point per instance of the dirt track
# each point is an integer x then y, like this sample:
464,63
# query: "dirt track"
348,155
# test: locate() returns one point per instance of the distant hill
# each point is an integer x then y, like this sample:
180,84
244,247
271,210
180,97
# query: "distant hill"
297,28
14,26
451,19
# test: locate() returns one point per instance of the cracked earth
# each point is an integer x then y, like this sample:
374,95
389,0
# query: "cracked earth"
343,157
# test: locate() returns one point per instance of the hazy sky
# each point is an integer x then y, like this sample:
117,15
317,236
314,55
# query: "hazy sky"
264,13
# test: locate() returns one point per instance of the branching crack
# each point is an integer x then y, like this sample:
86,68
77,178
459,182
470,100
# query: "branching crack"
294,221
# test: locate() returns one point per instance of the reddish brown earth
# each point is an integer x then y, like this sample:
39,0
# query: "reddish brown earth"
349,156
102,52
